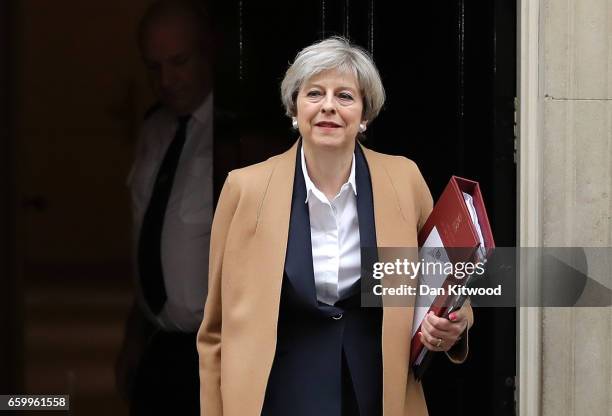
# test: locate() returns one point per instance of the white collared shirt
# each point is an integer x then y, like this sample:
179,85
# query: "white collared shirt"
334,233
186,233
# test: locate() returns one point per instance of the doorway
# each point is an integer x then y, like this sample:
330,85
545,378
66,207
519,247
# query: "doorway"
449,70
78,92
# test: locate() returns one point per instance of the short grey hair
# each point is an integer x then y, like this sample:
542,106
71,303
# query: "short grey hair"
334,53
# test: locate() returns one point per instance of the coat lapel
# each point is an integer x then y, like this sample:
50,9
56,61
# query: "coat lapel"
365,210
392,230
268,249
298,263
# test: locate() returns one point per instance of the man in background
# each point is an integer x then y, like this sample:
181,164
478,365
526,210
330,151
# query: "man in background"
171,185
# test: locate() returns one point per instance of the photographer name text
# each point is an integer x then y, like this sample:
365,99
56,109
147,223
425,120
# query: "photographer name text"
425,290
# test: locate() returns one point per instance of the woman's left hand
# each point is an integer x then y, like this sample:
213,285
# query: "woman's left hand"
440,334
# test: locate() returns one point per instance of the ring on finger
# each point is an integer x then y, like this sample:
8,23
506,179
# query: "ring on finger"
439,343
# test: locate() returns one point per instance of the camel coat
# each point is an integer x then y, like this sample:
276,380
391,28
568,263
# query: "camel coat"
237,339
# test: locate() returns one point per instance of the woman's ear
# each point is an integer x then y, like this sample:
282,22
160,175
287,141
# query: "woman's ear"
363,126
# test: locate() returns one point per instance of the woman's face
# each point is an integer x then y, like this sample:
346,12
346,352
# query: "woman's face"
329,109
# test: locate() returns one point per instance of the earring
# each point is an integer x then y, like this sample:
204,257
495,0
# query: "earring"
294,122
362,127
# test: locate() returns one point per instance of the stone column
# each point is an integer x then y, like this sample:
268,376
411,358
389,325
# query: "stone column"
575,70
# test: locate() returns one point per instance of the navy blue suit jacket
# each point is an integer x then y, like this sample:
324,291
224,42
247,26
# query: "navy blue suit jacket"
314,338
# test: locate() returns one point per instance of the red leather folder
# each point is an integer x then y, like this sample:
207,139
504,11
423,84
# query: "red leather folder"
452,221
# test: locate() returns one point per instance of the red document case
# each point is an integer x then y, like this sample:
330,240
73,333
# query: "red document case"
451,224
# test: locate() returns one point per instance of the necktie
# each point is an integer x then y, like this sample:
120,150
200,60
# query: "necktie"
149,246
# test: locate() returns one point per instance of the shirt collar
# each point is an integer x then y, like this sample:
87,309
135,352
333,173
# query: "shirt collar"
204,111
312,188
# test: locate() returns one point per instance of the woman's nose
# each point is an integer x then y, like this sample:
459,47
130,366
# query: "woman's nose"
328,105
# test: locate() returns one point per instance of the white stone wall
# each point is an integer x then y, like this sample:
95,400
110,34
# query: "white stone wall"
576,95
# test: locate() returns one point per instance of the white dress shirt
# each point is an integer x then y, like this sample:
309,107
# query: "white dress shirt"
186,231
334,234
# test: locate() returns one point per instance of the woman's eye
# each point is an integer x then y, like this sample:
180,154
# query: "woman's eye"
313,93
345,96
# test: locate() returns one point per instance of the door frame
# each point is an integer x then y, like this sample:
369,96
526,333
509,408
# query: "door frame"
529,203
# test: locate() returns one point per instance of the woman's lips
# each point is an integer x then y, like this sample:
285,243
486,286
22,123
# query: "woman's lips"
327,124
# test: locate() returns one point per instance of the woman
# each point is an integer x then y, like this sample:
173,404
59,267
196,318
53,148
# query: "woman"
283,331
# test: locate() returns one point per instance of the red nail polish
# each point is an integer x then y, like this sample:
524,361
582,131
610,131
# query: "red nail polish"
452,316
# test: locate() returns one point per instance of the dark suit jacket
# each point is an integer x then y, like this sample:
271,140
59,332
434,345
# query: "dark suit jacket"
314,339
